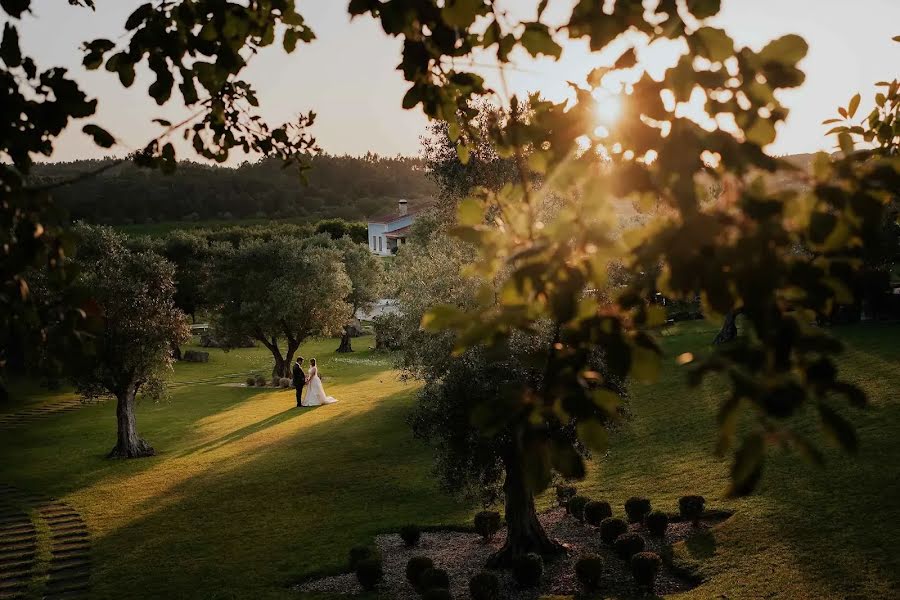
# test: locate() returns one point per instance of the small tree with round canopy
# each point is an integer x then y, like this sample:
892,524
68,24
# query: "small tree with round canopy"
138,324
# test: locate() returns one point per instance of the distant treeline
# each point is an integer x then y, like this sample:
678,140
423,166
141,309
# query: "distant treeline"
346,187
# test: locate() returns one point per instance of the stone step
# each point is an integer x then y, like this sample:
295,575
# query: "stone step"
16,565
64,521
71,528
77,552
16,549
27,557
15,578
70,535
15,538
16,528
72,567
12,586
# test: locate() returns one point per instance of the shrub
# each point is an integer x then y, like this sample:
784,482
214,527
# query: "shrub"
251,381
487,523
260,381
576,507
637,509
628,544
657,522
589,572
388,332
595,511
369,572
358,553
484,586
284,382
432,578
276,382
527,570
611,528
564,493
644,567
415,567
437,594
691,508
410,534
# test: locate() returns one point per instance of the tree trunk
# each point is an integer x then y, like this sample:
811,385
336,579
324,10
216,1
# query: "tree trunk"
176,351
289,357
729,329
129,443
524,533
281,366
345,342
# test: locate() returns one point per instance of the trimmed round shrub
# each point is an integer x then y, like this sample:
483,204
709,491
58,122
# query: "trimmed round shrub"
487,523
595,511
260,381
628,544
284,382
611,528
691,508
276,382
432,579
637,509
410,534
359,553
415,567
644,567
369,572
527,570
484,586
657,522
251,381
576,507
589,572
437,594
564,493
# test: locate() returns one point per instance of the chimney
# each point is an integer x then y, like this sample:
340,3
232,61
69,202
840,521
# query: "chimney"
402,207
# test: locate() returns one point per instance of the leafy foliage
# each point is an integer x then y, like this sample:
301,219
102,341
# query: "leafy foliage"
527,570
410,534
576,505
691,507
484,585
611,528
434,579
644,567
628,544
637,508
589,572
415,567
657,522
369,572
487,524
358,554
564,493
596,511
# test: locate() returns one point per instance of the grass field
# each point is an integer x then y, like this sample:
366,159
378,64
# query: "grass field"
248,493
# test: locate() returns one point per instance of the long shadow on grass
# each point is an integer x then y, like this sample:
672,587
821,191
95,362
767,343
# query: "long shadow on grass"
251,524
243,432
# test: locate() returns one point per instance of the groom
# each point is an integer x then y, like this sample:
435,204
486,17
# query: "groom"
299,378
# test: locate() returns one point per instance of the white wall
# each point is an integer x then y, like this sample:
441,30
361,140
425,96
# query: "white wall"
378,230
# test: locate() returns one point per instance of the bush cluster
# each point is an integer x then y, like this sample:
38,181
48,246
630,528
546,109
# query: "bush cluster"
284,382
484,586
589,572
250,381
415,567
611,528
628,544
359,553
576,507
260,381
410,534
434,579
527,570
369,572
564,493
637,508
657,522
595,511
487,524
691,508
644,567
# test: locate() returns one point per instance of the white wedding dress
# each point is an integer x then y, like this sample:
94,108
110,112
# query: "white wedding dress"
315,393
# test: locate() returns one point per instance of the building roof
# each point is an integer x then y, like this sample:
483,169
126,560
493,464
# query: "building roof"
393,215
398,233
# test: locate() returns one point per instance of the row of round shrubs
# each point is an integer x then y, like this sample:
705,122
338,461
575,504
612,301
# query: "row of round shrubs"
259,381
434,584
644,568
639,510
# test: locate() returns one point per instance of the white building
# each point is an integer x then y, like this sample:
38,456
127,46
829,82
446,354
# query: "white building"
388,231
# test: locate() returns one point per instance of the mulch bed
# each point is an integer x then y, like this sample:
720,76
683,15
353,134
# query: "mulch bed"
463,555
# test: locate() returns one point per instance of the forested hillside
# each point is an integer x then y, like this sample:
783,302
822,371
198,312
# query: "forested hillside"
338,186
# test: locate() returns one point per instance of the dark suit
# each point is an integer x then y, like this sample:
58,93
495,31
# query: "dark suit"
299,381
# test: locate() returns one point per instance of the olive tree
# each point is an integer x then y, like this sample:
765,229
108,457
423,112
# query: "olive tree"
279,293
366,275
138,323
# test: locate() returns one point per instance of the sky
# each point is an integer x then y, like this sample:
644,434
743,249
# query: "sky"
348,77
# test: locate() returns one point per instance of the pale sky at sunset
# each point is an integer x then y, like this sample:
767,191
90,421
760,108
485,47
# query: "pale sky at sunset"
347,75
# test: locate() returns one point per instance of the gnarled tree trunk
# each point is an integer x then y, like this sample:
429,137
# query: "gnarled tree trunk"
524,533
346,345
129,444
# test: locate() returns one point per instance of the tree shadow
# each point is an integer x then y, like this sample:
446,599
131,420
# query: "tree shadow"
243,432
701,545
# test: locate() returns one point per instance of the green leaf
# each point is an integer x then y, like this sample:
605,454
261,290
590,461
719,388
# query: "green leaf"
536,39
854,104
703,9
716,45
837,429
439,317
593,434
762,132
461,13
846,143
9,47
290,40
788,49
101,137
470,212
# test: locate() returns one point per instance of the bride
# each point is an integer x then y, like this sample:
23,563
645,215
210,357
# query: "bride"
315,394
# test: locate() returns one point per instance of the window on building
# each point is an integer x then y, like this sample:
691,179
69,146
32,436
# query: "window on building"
380,247
373,243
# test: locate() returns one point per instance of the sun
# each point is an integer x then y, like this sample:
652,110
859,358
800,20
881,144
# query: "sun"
608,109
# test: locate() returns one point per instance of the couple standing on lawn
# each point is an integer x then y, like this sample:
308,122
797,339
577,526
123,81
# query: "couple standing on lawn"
315,394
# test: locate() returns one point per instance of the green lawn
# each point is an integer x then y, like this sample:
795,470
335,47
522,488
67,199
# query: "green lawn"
249,493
